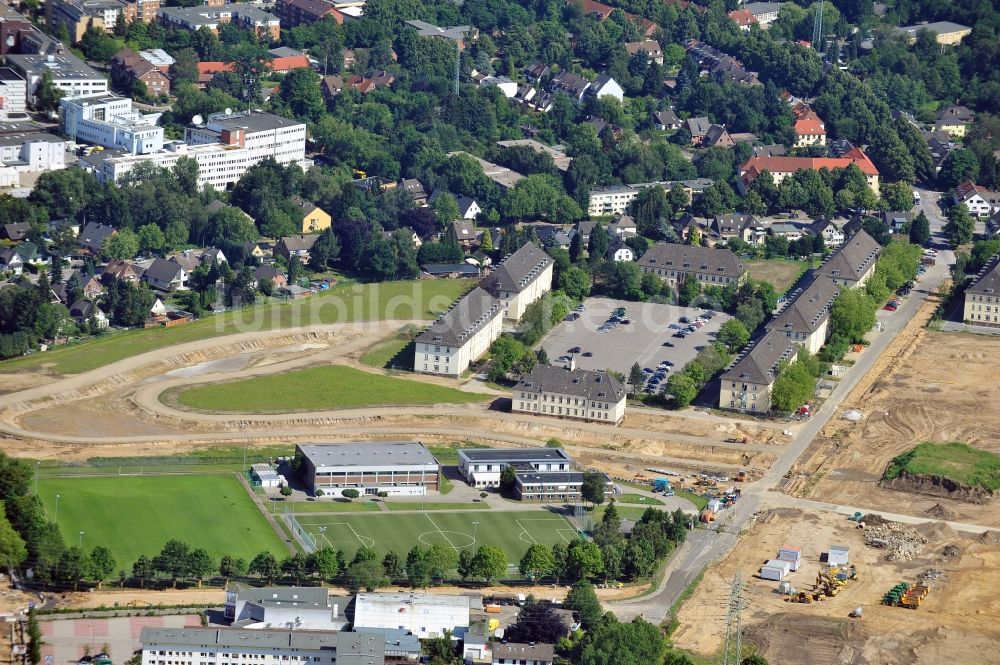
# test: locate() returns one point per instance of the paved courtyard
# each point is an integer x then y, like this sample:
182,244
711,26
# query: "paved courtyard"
642,340
68,640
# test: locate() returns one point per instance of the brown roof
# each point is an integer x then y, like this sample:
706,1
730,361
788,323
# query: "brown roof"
518,270
852,259
793,164
809,310
689,258
760,364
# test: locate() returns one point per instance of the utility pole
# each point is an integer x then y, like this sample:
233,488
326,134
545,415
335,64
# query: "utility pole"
732,652
818,28
458,64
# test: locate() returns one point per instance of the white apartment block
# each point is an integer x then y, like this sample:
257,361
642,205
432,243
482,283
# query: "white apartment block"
234,646
29,153
459,337
69,74
13,95
424,615
224,148
570,393
110,121
615,199
520,279
481,467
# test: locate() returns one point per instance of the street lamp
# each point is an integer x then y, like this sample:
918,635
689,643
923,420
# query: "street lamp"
81,541
56,520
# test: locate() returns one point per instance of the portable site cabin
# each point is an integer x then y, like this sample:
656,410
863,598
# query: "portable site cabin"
661,485
793,555
775,570
838,555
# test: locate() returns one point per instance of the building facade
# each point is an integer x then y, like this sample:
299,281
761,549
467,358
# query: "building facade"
710,266
69,74
570,393
542,486
982,298
783,167
245,15
300,608
424,615
615,199
110,121
397,468
520,279
13,95
459,337
481,467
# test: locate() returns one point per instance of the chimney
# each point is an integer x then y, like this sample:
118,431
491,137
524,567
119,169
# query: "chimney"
572,362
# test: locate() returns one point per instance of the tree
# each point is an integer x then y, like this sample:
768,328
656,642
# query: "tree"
13,550
583,559
631,643
121,245
142,569
102,564
689,290
897,196
445,208
47,95
635,377
442,559
792,388
73,566
593,487
324,562
365,553
150,238
537,621
575,282
465,567
350,493
537,562
597,245
295,567
230,566
682,388
285,491
960,227
368,575
920,230
852,315
582,600
734,335
300,93
489,563
960,165
393,565
265,566
185,67
201,564
174,560
753,660
508,478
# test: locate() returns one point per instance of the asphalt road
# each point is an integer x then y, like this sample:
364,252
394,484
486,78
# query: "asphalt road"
705,546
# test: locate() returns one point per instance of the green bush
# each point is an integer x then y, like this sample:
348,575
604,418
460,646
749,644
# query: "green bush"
351,493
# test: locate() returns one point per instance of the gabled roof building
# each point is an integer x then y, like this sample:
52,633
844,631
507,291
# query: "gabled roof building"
520,279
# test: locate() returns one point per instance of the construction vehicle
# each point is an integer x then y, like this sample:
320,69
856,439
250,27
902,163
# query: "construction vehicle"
737,439
855,613
800,597
893,595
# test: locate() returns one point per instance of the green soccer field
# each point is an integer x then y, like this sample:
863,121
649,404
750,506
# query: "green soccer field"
513,532
138,515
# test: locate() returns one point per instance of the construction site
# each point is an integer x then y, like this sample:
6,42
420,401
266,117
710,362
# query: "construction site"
843,599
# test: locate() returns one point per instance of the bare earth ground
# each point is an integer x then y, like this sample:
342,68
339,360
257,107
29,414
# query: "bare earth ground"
956,623
942,387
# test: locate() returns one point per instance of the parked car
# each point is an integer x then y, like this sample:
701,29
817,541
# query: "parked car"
588,354
674,326
890,308
685,319
669,344
575,349
563,359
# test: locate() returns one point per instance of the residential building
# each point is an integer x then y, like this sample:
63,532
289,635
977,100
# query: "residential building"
190,259
69,74
746,385
464,233
505,84
717,136
783,167
618,252
649,48
19,35
501,175
481,467
536,71
945,32
954,120
809,129
570,84
743,18
313,218
13,95
278,65
523,654
982,297
222,646
940,144
772,150
833,235
422,614
698,127
129,68
605,86
110,121
719,66
666,119
118,269
570,393
460,336
615,199
78,15
457,34
736,225
853,263
159,58
559,158
15,232
299,608
306,12
86,312
289,246
399,468
710,266
804,320
520,279
269,273
10,261
165,275
897,220
467,207
981,202
244,15
766,13
224,148
32,152
623,227
415,189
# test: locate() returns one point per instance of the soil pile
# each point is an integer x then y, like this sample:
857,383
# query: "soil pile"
941,512
938,486
989,538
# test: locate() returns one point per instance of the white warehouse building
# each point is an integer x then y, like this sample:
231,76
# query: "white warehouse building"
424,615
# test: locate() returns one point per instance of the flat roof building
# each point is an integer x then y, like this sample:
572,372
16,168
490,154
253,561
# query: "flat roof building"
423,615
482,466
70,74
403,468
570,393
221,646
300,608
245,15
548,486
460,336
111,122
945,32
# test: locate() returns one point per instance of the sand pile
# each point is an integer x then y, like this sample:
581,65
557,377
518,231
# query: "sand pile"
942,512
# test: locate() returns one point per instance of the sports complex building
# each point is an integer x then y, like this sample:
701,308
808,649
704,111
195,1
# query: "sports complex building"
398,468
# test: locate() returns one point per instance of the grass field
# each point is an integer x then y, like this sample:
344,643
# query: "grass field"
138,515
782,273
381,354
639,499
319,388
957,461
413,505
325,506
513,532
424,299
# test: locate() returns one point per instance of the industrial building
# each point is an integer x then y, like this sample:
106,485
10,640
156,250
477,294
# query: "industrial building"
404,468
300,608
423,615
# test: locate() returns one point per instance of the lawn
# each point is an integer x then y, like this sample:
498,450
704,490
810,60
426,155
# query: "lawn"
330,506
782,273
381,354
638,498
513,532
414,505
319,388
956,461
138,515
422,299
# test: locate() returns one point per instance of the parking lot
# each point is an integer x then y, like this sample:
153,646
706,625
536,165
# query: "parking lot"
643,339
